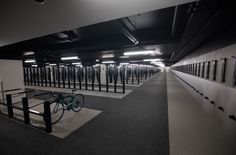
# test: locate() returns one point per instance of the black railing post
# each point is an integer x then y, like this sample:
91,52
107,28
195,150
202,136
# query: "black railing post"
54,79
123,81
34,75
58,76
45,77
47,117
9,106
99,78
79,77
86,78
26,110
49,77
74,77
107,82
37,76
132,73
63,76
41,72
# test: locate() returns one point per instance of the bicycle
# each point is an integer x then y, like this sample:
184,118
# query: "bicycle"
60,103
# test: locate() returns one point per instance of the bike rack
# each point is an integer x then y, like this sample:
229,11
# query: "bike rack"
27,111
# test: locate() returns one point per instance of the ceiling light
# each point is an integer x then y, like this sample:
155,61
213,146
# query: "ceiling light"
108,62
152,59
30,61
107,55
146,52
79,65
135,61
34,65
124,56
29,53
97,60
52,64
124,63
76,63
70,58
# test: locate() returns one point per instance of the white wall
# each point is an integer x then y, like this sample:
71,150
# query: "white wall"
222,93
11,74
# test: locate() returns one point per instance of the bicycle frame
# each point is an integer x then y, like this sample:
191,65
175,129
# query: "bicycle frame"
60,100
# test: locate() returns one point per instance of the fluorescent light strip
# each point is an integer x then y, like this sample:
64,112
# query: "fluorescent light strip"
124,56
70,58
108,62
34,65
152,59
139,52
52,64
76,63
30,61
124,63
107,55
29,53
135,61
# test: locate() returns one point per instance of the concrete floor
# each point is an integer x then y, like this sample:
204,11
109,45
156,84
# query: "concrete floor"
158,118
192,130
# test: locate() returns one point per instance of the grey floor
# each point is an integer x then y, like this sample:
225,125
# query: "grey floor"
158,118
193,130
136,124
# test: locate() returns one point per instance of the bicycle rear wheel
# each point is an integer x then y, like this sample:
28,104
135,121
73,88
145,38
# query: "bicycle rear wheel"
78,102
57,111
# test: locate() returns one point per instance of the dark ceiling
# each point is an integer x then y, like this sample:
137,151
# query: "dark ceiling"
174,31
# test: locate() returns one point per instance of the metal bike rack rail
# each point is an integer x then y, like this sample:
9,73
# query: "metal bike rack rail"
27,111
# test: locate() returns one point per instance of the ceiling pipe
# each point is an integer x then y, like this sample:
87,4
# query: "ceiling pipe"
119,24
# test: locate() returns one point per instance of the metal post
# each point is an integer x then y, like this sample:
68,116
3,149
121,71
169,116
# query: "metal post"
86,78
123,80
49,77
47,116
107,83
54,79
138,74
58,76
27,76
63,77
34,75
68,76
26,110
37,76
41,72
9,106
74,77
132,72
79,77
31,78
45,72
99,78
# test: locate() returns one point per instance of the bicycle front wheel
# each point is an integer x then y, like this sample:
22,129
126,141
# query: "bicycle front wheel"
78,103
57,111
